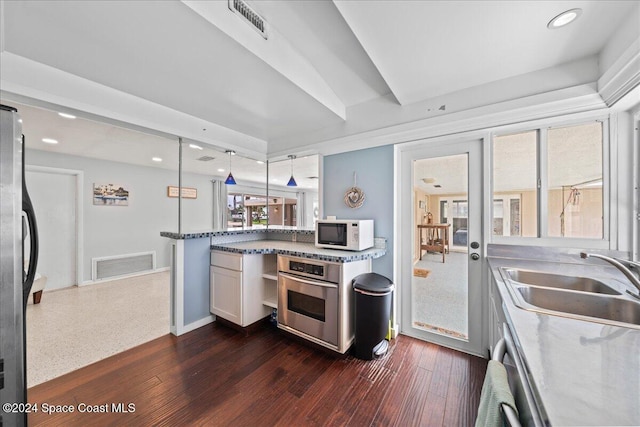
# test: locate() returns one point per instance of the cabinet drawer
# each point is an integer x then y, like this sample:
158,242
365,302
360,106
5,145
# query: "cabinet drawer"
226,260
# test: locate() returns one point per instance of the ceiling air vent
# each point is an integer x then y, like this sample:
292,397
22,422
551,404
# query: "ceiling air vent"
257,22
205,158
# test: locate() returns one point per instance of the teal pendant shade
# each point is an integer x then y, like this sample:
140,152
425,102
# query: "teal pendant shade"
292,182
230,180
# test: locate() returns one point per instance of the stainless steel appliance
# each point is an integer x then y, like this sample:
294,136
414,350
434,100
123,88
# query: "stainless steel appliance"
345,234
15,283
314,302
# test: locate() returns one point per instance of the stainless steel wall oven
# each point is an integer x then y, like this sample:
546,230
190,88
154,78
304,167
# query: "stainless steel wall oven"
313,303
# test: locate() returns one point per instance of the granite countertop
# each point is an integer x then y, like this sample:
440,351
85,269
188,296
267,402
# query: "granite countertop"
581,372
304,250
231,232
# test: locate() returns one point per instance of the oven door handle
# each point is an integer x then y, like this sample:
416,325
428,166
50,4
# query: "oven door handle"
308,282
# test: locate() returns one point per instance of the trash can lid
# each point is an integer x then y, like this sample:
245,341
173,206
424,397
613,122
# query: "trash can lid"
372,282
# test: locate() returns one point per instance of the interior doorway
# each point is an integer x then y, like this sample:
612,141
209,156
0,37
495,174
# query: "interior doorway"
54,195
441,243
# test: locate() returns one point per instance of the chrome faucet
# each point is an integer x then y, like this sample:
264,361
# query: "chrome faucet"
620,265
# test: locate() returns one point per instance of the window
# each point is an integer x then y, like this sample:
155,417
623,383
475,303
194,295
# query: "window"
246,210
574,168
559,170
515,176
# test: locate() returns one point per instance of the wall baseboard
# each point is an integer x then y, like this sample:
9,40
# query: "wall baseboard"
195,325
111,279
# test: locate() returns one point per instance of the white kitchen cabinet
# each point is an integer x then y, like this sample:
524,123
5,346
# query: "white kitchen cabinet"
226,294
237,290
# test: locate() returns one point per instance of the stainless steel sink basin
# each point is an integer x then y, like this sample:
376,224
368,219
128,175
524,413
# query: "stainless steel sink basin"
580,305
548,280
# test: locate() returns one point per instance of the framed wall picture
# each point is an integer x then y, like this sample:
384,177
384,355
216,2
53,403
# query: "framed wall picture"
110,195
187,192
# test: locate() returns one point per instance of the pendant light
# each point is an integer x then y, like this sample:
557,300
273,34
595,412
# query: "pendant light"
292,181
230,180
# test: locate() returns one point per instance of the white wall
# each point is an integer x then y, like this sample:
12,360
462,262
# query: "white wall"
116,230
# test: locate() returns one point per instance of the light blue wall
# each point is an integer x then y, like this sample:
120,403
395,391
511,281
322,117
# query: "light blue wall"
196,279
374,169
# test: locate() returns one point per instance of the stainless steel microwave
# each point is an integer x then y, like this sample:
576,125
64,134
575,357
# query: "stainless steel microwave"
350,235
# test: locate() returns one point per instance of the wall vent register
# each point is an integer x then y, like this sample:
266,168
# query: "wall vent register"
122,265
242,9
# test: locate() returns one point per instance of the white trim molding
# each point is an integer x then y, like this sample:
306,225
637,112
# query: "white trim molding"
622,77
576,99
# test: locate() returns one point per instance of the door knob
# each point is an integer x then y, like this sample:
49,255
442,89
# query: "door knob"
475,256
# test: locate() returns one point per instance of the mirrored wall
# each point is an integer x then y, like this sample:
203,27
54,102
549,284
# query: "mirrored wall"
151,167
293,192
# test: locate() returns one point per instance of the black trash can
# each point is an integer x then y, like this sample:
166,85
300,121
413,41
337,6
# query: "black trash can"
373,296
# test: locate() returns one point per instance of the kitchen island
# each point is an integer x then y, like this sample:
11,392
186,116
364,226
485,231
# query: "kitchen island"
579,372
191,257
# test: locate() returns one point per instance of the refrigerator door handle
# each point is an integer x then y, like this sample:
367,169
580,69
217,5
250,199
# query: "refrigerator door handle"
27,207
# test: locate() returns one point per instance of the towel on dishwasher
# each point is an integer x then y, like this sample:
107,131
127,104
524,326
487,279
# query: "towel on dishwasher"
495,391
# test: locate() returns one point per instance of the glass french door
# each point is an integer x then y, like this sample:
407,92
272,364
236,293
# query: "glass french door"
440,210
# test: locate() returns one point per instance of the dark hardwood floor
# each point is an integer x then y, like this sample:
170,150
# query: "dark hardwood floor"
217,376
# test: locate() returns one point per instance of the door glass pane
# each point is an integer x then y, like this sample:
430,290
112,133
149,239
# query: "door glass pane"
439,285
459,223
498,217
575,181
514,217
515,172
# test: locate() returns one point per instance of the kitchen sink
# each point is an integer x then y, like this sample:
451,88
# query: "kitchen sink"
549,280
580,305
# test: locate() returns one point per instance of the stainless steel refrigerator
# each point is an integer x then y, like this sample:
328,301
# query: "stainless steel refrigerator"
17,223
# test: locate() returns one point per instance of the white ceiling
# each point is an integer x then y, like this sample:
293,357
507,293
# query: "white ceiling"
425,49
324,63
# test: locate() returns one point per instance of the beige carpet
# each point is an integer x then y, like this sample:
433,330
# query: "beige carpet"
77,326
440,299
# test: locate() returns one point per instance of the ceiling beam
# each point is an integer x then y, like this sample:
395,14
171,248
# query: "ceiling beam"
276,52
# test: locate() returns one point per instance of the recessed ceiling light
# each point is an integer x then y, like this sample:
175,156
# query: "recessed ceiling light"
50,140
260,162
564,18
156,159
220,170
67,116
195,147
